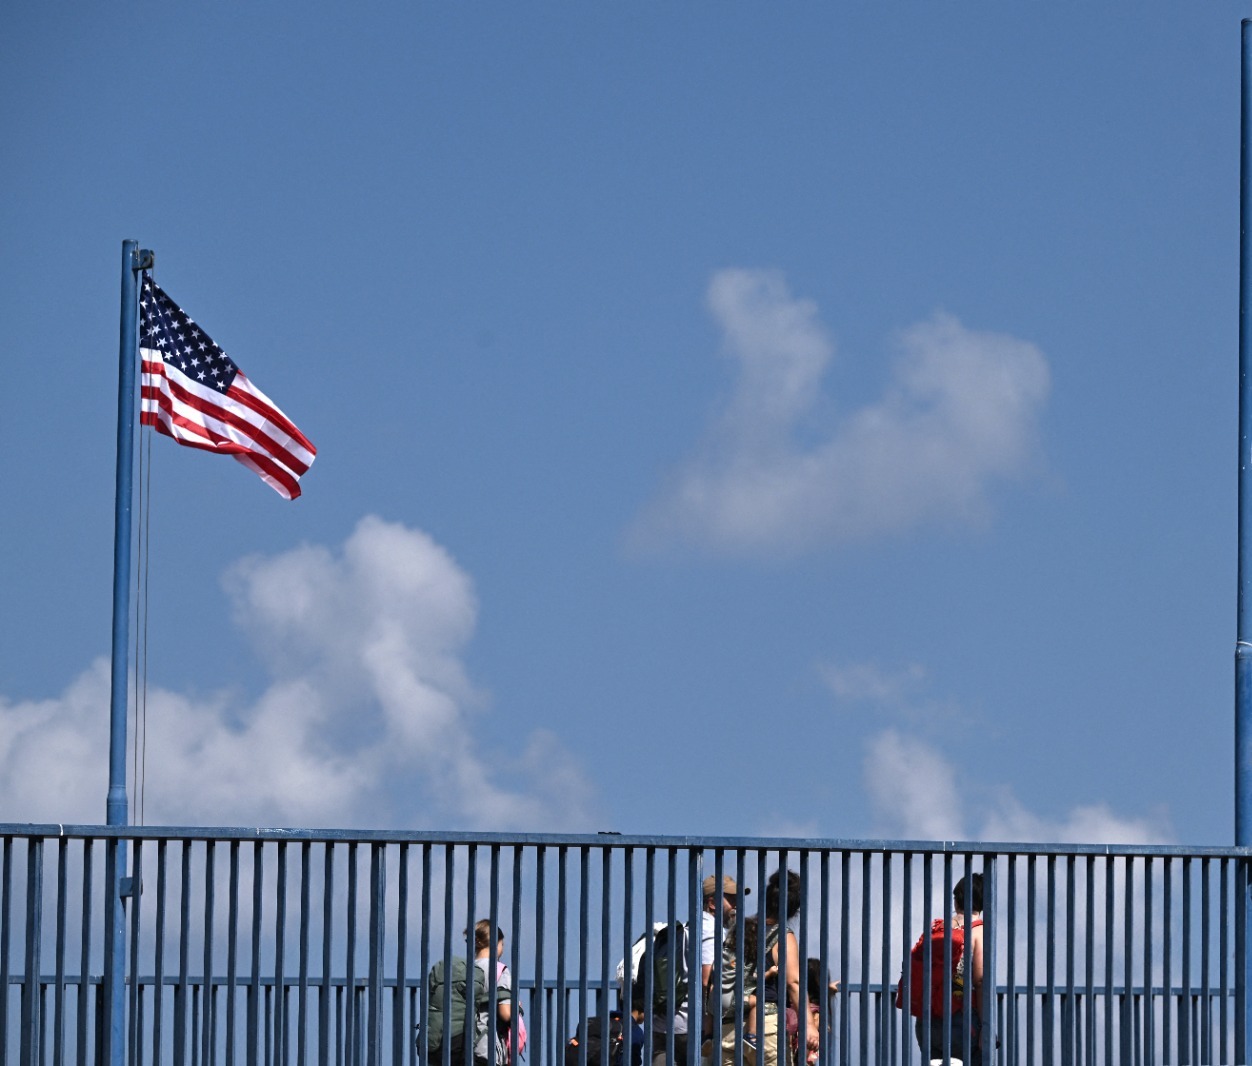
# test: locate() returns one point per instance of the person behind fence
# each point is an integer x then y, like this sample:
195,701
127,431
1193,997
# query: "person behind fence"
780,942
722,1003
715,922
817,991
669,962
761,1033
967,976
491,1028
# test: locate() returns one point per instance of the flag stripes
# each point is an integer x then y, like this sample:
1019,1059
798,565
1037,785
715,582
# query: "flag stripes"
191,391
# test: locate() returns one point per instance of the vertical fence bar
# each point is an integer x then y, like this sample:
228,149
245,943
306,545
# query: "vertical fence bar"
6,935
968,1004
280,957
30,1045
1069,1045
254,984
1206,1004
562,909
1031,952
1223,963
112,1036
210,1002
1049,964
826,1021
884,1025
1010,1005
649,916
671,921
538,1015
924,1022
182,992
515,962
302,986
628,1002
584,931
84,962
135,1029
865,957
1109,901
400,999
946,994
990,1030
326,996
423,1039
1128,959
1168,1047
1186,1051
348,1034
845,939
58,996
906,984
1149,921
1243,903
377,917
471,903
158,951
232,950
606,915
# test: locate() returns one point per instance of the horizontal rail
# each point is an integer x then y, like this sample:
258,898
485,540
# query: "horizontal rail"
608,840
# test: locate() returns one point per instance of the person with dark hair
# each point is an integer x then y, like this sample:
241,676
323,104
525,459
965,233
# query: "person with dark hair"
781,949
817,990
967,978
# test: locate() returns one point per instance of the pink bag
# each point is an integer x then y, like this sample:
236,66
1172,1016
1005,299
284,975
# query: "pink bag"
519,1025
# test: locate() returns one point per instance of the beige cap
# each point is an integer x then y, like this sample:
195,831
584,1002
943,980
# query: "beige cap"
729,888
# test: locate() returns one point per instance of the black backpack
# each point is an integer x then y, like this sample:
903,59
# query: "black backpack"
591,1037
653,951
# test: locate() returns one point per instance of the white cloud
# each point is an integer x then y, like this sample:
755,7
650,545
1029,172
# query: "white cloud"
913,788
960,413
369,720
915,794
870,682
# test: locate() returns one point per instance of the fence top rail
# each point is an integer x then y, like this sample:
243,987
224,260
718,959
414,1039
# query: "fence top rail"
611,841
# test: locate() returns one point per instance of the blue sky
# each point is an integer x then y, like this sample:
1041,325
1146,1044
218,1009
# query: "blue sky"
785,418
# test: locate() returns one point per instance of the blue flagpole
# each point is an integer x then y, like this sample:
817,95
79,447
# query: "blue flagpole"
116,811
1243,637
117,882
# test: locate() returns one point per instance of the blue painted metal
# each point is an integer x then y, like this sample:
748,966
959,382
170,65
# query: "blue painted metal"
116,811
1144,967
1243,646
1243,639
115,805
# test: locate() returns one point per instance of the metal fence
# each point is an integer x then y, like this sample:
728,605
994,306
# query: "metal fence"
293,948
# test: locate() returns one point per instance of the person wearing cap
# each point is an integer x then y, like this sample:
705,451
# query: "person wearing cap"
715,916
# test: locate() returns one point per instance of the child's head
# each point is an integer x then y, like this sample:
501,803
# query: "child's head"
750,928
813,980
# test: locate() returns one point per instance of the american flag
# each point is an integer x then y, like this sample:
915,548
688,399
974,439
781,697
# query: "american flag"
192,391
